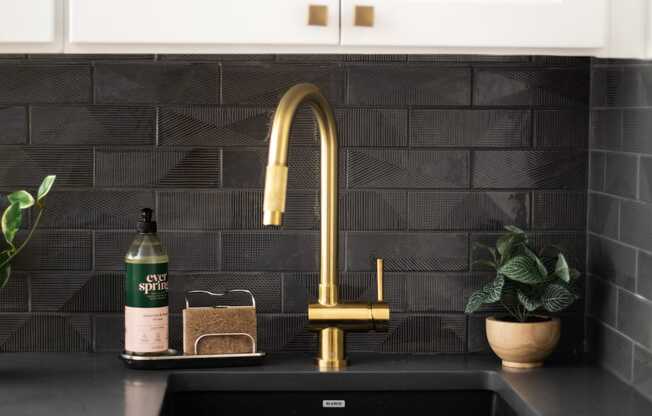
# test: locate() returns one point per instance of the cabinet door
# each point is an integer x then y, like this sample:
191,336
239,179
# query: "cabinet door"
478,23
202,22
28,26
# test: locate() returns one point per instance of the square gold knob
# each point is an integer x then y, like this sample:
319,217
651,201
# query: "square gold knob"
317,15
364,16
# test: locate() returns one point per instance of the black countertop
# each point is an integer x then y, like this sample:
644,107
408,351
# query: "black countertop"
98,384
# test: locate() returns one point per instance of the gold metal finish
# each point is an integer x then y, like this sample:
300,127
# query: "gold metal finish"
317,15
379,277
329,316
364,16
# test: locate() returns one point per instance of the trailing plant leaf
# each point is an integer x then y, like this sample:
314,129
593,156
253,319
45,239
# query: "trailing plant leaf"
12,218
514,229
490,293
45,187
23,198
522,269
529,299
543,271
5,272
561,268
556,298
491,250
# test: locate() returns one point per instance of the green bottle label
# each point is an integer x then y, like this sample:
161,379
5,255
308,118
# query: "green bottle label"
146,285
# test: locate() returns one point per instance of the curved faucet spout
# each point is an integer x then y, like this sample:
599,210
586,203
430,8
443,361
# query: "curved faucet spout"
277,171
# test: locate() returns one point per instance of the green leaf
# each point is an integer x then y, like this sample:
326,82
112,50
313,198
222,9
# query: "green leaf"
561,268
543,271
529,299
491,250
574,274
556,298
24,199
11,220
490,293
45,187
5,272
514,229
522,269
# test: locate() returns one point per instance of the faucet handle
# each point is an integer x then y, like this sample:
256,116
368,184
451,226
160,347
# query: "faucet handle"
379,277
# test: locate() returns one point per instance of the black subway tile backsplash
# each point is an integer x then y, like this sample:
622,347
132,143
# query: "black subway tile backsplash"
437,151
604,215
620,175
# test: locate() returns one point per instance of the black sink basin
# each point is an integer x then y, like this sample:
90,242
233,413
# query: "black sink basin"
333,394
359,403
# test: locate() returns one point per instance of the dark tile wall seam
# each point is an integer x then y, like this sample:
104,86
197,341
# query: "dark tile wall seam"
195,128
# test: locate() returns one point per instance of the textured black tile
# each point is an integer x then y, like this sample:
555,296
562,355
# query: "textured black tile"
12,57
621,86
494,86
188,251
14,125
441,292
300,289
44,83
637,124
266,288
561,128
645,179
373,210
45,333
606,129
642,377
89,57
406,252
409,85
612,261
596,173
14,297
481,128
49,250
212,210
286,333
467,210
407,169
270,251
89,125
372,127
198,57
477,335
189,168
108,333
620,175
27,166
611,349
264,84
245,168
604,215
644,277
95,209
165,83
100,292
561,60
529,169
559,210
468,58
635,224
602,300
219,126
634,317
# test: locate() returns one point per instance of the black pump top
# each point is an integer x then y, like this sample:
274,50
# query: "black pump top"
145,224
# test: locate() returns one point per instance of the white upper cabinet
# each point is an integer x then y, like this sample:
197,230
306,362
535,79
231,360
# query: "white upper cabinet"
579,24
31,26
188,25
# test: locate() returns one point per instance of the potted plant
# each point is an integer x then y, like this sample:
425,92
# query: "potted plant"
527,284
12,219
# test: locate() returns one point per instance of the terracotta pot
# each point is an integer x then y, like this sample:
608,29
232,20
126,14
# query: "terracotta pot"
523,344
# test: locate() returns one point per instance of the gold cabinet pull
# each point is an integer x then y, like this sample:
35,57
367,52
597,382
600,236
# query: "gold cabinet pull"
379,276
364,16
317,15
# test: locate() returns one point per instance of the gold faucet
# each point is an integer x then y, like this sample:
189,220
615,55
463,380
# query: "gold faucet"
329,316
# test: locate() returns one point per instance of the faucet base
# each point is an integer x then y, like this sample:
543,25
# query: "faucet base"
331,349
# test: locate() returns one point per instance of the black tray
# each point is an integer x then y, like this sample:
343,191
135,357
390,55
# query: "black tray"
174,360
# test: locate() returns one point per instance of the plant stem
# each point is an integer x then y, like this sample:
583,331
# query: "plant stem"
29,237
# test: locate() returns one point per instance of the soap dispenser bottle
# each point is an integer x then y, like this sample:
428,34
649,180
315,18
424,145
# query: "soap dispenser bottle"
146,291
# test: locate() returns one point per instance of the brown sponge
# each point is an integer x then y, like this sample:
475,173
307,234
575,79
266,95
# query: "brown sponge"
198,321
